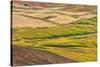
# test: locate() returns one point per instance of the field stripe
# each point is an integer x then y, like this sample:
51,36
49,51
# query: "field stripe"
55,36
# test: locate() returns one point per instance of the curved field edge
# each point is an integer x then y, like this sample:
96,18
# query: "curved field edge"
28,56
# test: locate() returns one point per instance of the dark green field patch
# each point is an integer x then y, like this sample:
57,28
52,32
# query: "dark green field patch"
64,46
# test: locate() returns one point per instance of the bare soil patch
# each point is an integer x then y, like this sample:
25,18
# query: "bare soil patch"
28,56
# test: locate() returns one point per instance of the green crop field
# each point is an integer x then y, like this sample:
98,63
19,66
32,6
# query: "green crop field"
76,41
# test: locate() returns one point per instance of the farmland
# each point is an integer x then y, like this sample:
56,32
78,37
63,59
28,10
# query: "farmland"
58,30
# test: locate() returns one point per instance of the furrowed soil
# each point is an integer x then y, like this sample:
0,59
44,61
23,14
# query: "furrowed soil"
28,56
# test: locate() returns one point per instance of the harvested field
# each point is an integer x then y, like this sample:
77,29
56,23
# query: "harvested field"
20,21
38,16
